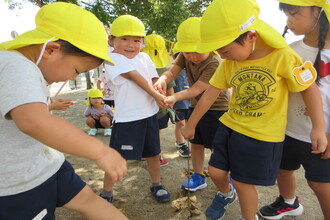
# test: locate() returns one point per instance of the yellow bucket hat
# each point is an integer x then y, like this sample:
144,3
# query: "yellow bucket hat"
67,22
156,49
127,25
325,4
188,35
93,93
225,20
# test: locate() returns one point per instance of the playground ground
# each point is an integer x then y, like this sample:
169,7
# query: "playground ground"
132,195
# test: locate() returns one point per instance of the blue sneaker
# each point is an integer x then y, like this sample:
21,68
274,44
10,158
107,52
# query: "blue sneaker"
196,182
219,205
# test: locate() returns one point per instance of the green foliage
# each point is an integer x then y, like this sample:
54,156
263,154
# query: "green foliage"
159,16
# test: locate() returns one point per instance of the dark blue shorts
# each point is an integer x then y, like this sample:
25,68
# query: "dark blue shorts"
98,124
110,103
206,127
297,153
249,160
163,121
58,190
181,114
137,139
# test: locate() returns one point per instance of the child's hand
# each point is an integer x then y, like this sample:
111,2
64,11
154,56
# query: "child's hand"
60,104
170,101
160,100
319,141
187,132
160,86
96,117
326,153
113,164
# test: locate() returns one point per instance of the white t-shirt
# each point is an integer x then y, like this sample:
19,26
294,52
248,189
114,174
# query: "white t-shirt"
24,162
299,125
132,102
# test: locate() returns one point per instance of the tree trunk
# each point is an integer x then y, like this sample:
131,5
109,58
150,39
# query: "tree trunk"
88,81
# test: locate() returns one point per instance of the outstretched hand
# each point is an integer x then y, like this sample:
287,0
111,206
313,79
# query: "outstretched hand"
113,164
60,104
160,86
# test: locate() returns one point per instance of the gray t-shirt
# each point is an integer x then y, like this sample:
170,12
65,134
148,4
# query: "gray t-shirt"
24,162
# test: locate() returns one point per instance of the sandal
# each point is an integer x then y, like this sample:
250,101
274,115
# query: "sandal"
160,193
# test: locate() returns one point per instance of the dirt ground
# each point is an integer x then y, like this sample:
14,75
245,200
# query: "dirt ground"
132,194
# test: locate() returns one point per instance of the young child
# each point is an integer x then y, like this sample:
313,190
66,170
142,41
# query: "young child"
35,178
135,132
98,114
261,68
311,19
181,110
199,69
156,49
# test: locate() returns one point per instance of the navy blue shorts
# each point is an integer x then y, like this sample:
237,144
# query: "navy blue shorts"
58,190
98,124
137,139
206,127
163,121
297,153
181,114
249,160
110,103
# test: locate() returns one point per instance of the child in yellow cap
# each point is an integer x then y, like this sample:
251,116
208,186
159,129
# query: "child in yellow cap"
261,68
98,114
199,70
311,19
35,178
156,49
135,132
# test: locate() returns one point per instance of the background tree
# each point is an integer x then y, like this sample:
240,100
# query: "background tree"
159,16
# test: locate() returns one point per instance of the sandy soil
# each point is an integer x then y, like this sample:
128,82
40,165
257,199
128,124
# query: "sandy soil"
132,195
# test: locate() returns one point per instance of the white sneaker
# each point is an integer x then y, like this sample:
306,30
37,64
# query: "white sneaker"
92,132
107,132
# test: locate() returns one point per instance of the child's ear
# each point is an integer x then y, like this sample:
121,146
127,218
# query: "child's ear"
252,36
110,40
51,48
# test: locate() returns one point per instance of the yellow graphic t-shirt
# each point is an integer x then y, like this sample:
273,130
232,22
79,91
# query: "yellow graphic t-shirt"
258,107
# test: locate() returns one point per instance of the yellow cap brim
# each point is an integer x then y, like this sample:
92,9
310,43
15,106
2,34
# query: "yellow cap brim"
266,32
185,47
39,37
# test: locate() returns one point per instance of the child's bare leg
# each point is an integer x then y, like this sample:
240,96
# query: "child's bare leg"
197,158
90,122
105,122
153,168
107,183
93,206
322,191
178,136
220,179
286,181
248,199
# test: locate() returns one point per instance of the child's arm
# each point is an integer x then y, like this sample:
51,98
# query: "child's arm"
167,77
35,120
203,105
143,83
313,102
196,89
59,104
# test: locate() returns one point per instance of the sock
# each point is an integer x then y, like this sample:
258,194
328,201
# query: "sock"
107,193
202,174
290,201
155,184
228,194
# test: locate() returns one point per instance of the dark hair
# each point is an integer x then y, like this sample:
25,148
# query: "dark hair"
69,49
241,38
324,28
